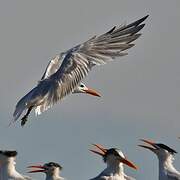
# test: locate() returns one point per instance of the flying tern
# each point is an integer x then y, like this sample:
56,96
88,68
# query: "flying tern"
61,80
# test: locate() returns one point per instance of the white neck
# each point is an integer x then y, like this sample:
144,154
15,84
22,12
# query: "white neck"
115,170
8,171
165,166
54,176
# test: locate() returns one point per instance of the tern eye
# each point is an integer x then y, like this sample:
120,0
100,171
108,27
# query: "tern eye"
82,85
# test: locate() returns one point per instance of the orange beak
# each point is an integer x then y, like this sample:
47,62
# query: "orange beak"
92,92
129,163
100,150
40,168
152,144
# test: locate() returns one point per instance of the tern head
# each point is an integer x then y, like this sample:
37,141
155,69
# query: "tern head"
112,156
5,156
82,88
161,150
50,169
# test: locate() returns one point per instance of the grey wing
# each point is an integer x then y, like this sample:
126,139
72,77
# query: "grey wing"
52,67
78,61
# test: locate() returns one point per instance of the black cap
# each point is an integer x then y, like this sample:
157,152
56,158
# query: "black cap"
9,153
111,151
53,164
163,146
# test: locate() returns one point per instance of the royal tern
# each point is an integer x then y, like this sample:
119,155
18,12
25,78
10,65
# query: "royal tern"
51,68
114,159
51,169
7,167
76,64
165,156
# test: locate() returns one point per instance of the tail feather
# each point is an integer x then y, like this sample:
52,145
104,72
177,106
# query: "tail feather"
22,105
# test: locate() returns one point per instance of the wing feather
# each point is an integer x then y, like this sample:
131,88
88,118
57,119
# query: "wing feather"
52,67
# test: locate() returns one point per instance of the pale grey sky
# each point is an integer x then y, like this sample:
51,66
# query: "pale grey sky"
140,91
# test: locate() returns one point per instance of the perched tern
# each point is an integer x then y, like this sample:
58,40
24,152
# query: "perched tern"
114,159
165,156
7,167
51,169
61,80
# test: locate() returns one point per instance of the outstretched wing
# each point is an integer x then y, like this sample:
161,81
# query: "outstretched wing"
60,80
78,61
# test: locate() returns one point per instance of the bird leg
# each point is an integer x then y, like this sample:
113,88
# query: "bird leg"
25,117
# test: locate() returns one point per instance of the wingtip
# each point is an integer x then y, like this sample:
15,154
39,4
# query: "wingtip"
138,22
145,17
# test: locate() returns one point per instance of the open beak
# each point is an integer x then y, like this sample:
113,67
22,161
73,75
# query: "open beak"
36,168
129,163
99,149
150,144
92,92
